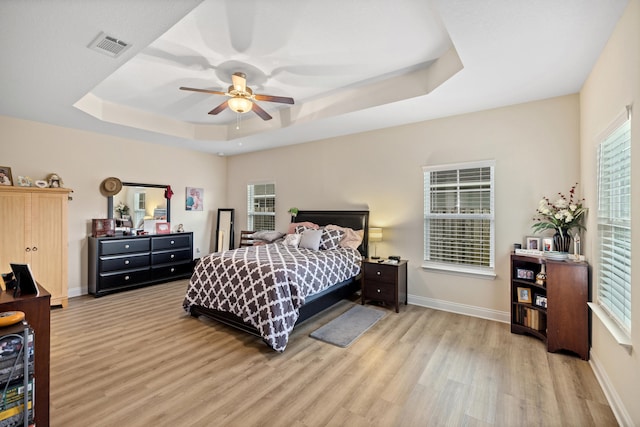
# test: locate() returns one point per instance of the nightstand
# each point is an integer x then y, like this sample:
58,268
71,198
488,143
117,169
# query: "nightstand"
385,283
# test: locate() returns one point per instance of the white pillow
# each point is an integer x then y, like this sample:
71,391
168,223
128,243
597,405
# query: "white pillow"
310,239
292,240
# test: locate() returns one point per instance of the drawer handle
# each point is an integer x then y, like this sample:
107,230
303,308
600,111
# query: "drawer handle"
378,290
126,246
173,269
126,277
27,249
172,256
126,262
378,273
173,242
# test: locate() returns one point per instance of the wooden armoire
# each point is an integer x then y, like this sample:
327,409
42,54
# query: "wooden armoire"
33,230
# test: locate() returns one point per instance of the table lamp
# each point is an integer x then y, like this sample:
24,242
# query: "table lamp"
375,235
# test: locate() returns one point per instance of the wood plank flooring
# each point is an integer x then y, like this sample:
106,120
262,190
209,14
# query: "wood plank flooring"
136,359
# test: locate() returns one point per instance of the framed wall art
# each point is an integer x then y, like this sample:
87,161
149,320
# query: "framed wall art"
194,199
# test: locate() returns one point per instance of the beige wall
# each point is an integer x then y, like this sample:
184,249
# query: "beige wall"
535,147
84,159
613,83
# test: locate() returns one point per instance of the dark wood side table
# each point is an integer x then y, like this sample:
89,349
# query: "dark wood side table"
37,313
385,283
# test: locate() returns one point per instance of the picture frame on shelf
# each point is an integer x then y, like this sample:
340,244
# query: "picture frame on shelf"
547,244
541,301
524,295
5,176
163,228
533,243
25,181
522,273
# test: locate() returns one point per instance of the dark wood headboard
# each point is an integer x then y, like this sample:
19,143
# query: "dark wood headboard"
358,220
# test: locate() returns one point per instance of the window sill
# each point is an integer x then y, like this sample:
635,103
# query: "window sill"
482,273
618,334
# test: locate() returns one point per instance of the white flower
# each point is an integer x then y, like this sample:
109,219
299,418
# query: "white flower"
561,203
573,208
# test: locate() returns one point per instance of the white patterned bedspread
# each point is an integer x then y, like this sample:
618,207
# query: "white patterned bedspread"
266,285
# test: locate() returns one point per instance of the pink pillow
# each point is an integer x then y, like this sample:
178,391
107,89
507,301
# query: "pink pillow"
293,225
351,238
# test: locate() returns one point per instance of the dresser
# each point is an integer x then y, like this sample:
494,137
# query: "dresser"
33,227
121,263
386,283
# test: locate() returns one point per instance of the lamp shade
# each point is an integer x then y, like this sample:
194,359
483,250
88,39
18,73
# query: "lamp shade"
375,234
239,105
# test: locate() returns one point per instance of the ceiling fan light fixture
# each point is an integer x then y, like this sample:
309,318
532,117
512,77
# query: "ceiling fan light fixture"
240,105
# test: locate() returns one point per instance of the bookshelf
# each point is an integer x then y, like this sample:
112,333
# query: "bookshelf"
555,312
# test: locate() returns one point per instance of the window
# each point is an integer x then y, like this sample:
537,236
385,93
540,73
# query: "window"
261,204
459,224
614,224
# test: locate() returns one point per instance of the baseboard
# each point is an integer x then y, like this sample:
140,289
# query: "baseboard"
467,310
616,404
75,292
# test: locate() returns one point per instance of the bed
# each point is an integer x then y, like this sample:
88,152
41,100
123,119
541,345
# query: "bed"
266,290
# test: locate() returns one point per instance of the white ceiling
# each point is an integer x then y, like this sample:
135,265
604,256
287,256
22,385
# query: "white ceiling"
350,65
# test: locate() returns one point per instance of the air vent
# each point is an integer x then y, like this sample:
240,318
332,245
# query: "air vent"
109,45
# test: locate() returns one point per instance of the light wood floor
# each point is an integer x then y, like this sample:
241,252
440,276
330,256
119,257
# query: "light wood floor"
136,359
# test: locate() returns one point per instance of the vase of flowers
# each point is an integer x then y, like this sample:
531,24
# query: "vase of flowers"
562,215
123,210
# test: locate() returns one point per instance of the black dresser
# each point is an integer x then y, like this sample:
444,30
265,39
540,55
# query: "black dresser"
121,263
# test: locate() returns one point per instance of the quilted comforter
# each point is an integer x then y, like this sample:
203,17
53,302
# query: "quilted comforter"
266,285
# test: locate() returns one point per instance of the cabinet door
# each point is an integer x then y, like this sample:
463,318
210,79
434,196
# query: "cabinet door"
567,311
49,241
15,247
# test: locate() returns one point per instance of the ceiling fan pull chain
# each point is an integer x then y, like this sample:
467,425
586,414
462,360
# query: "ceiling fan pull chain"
237,121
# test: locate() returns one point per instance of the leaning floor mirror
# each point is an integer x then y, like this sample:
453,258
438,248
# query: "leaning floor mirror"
224,230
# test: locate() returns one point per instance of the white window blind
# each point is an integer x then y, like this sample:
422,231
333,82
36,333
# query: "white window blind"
261,206
459,217
614,225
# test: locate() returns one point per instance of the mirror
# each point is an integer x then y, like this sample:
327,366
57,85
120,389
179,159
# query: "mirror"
142,201
224,231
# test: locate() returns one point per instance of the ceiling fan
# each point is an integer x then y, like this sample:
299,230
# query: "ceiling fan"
241,98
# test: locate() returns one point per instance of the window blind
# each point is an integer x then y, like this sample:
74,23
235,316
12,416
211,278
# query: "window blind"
614,225
261,206
459,215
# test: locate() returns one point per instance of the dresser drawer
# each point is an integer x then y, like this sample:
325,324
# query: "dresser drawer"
123,279
124,246
380,291
170,256
380,272
170,242
125,262
169,271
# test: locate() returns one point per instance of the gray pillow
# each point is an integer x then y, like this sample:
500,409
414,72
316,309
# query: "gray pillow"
310,239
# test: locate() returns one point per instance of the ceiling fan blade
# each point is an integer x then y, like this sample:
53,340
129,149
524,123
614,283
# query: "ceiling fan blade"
239,81
219,108
259,111
270,98
213,92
